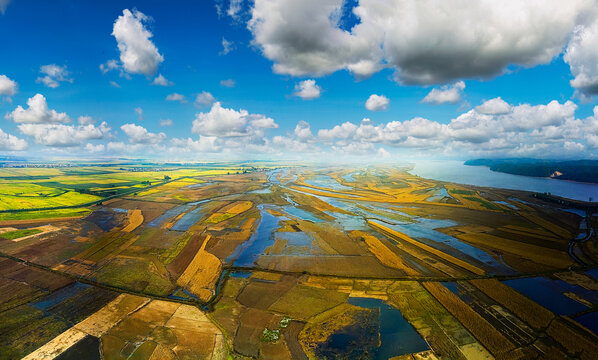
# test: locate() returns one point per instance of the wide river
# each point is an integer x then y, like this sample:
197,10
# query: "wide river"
457,172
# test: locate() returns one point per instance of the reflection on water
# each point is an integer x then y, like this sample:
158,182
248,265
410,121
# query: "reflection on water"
246,254
397,336
456,171
171,213
326,181
547,293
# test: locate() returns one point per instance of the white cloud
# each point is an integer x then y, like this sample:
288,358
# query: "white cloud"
37,112
377,103
303,131
176,97
582,57
494,106
54,75
3,5
94,148
205,144
204,99
11,143
162,81
228,83
8,87
307,90
165,122
139,135
223,122
138,54
446,94
85,120
109,66
61,135
234,8
227,46
139,113
114,84
425,41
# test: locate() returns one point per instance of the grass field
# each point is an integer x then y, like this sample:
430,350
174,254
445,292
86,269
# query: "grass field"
11,235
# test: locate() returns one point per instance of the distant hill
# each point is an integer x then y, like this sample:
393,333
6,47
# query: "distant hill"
575,170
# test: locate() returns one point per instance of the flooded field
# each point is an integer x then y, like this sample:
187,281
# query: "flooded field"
304,263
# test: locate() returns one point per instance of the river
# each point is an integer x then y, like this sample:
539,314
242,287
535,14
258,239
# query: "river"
457,172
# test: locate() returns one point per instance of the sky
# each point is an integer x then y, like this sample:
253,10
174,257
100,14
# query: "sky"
327,80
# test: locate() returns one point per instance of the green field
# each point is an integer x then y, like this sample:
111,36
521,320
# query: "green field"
11,235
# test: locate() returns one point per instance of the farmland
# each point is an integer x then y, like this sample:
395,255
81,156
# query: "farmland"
239,261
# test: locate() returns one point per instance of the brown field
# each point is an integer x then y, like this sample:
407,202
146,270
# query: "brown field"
440,254
527,310
541,255
491,338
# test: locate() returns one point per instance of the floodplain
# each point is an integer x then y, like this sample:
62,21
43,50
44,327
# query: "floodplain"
240,261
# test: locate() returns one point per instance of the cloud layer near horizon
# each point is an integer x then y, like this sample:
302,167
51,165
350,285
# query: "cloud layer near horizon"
493,128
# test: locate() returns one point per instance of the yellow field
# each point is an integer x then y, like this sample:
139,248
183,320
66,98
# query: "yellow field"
135,219
527,310
384,254
201,274
440,254
537,254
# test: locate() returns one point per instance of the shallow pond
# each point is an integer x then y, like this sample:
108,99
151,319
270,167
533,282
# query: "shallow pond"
326,181
169,214
187,220
246,254
397,336
589,320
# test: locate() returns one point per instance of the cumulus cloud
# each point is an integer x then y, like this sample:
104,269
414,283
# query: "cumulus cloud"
227,46
582,56
307,90
37,112
494,106
176,97
204,99
61,135
377,103
161,81
446,94
85,120
223,122
205,144
494,128
138,54
426,42
89,147
303,131
54,75
8,87
139,135
11,143
165,122
228,83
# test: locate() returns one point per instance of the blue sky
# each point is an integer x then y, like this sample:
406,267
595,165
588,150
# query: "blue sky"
346,51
